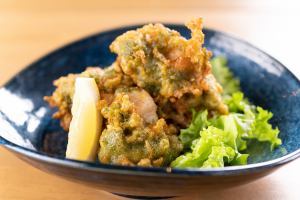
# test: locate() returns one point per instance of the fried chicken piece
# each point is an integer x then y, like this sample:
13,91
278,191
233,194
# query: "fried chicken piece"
174,70
134,135
62,99
107,79
143,104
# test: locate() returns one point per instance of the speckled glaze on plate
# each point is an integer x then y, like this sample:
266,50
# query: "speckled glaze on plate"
27,130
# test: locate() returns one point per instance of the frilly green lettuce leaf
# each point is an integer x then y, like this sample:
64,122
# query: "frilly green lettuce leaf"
214,148
224,76
199,121
252,122
218,155
219,140
262,130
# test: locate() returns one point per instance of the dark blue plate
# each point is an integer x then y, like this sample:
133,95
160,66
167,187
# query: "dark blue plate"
26,127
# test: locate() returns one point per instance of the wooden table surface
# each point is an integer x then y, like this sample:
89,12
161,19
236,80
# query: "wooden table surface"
30,29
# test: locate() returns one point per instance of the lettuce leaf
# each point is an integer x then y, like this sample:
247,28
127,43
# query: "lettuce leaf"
199,121
262,130
218,141
214,148
210,149
224,76
218,155
253,122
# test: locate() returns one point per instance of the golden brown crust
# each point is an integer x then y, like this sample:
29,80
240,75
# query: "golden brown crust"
108,80
147,94
129,140
62,99
174,70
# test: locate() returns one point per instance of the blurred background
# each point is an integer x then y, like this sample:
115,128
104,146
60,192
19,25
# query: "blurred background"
31,28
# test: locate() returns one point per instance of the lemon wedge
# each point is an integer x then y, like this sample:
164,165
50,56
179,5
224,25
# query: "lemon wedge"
86,124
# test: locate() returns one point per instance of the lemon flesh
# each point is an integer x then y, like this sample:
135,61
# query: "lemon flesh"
86,124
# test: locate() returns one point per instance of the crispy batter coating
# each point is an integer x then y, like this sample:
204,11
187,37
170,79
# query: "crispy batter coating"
107,79
130,138
62,99
174,70
147,94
